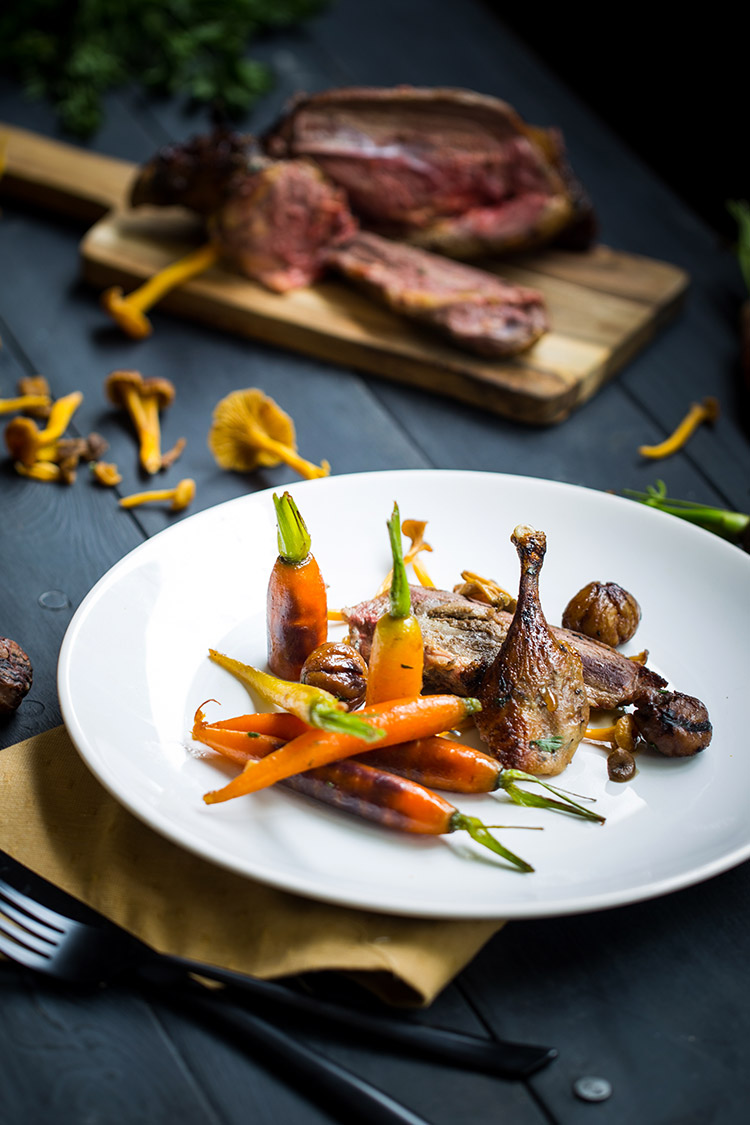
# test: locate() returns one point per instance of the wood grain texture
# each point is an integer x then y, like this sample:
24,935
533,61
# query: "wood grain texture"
604,305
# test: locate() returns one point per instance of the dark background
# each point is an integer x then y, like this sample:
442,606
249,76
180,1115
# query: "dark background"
671,80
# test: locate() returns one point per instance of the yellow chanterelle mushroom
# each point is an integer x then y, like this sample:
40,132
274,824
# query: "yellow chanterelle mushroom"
143,399
130,311
28,444
180,496
250,430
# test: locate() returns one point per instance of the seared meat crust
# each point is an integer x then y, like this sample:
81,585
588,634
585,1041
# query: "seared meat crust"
463,637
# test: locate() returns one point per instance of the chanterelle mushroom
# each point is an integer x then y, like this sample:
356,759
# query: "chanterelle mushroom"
130,311
180,496
250,430
143,399
27,443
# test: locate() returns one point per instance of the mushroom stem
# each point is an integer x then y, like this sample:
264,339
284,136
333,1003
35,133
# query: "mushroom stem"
150,434
180,496
129,311
23,402
706,411
286,454
62,411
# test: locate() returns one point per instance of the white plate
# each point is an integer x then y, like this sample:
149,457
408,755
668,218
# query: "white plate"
134,666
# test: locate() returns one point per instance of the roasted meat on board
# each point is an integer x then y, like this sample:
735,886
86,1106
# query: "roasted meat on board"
477,310
280,224
284,223
450,170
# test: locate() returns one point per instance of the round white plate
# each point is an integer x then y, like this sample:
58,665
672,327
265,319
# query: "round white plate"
134,667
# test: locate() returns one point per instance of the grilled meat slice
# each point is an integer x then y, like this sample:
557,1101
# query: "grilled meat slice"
447,169
280,223
462,638
534,707
475,309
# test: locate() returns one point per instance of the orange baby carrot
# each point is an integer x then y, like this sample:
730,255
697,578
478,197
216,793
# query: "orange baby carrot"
297,607
373,794
276,724
400,720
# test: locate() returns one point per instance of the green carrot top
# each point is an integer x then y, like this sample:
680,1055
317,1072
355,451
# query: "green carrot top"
400,597
293,536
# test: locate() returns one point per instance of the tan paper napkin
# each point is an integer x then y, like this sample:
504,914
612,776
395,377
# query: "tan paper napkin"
58,820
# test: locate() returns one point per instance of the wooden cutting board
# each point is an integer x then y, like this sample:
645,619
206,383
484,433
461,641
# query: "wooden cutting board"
604,305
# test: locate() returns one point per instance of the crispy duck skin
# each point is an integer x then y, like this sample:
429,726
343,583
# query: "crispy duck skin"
462,637
534,707
475,309
448,169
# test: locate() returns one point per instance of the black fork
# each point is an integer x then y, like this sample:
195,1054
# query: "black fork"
44,929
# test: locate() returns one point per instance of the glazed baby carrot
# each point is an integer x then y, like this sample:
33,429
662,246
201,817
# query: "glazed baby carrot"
397,657
314,706
373,794
241,746
399,721
296,606
442,763
275,724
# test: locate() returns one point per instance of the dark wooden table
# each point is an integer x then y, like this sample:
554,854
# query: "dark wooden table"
652,997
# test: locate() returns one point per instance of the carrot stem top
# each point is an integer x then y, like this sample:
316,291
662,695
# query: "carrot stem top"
293,536
400,598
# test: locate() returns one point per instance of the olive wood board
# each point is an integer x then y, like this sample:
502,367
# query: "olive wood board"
604,304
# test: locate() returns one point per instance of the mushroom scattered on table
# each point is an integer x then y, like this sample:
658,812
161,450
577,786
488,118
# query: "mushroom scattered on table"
143,399
180,496
250,430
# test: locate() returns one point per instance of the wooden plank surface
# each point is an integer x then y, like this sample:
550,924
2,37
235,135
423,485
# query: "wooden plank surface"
604,305
647,996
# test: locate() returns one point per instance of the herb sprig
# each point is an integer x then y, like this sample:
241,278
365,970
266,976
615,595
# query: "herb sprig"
73,52
734,526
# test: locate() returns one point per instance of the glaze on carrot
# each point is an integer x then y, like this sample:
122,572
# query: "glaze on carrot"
442,763
372,794
400,720
296,604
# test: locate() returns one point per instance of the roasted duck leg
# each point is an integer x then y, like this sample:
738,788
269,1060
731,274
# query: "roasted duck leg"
534,707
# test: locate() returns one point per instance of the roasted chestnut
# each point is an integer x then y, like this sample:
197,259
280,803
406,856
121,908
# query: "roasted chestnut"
604,611
15,675
338,668
674,724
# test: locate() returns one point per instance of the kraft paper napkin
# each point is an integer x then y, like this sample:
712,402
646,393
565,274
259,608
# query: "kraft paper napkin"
58,820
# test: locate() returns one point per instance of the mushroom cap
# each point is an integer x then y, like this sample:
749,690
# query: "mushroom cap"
117,382
234,420
128,316
183,494
160,389
23,439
